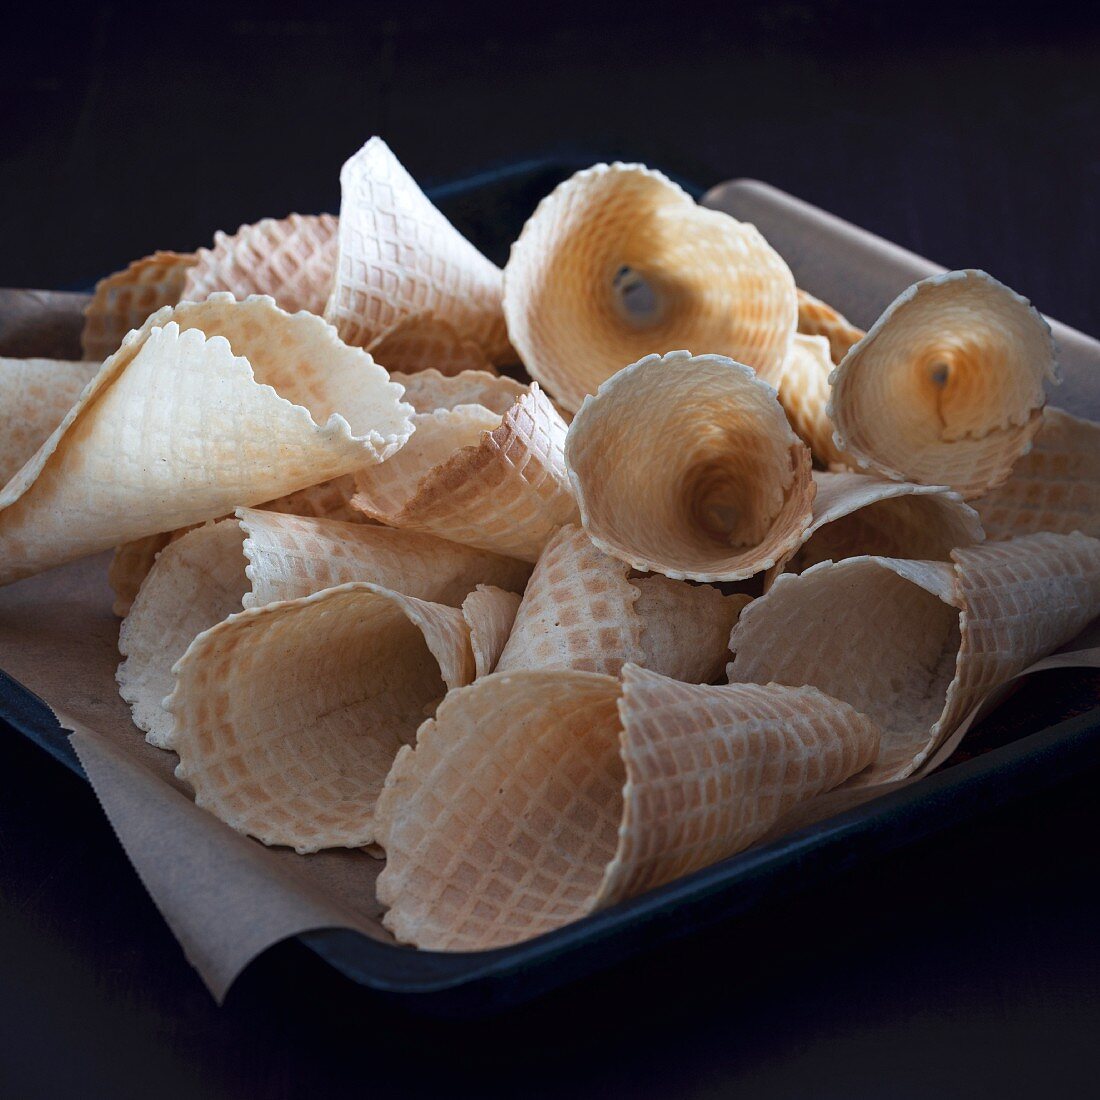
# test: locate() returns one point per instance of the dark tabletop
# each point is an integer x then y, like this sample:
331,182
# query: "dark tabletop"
967,965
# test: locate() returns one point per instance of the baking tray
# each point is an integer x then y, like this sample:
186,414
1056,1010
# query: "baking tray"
1020,749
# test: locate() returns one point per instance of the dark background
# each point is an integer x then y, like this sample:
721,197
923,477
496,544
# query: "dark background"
966,966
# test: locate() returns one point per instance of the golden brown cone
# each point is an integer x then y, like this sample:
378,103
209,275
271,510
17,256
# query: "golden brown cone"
534,798
1054,487
580,611
618,262
489,613
687,466
429,390
399,256
856,515
474,477
426,342
818,318
35,395
124,300
262,557
286,717
803,387
193,416
947,386
133,560
291,259
916,644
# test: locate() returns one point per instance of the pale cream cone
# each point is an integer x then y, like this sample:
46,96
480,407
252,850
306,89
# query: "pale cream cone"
133,560
580,611
947,386
915,645
618,262
262,557
35,395
687,466
399,256
472,476
498,830
818,318
194,415
856,515
426,342
1054,487
803,386
286,718
292,259
123,301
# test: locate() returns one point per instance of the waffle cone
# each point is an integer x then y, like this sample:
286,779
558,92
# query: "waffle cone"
947,387
803,387
350,673
489,613
921,643
580,611
818,318
291,259
857,515
1054,487
425,342
618,262
35,395
430,390
123,301
399,256
193,416
132,561
474,477
263,557
497,829
687,466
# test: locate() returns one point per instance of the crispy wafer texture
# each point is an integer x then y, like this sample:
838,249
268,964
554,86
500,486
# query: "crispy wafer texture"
818,318
1054,487
426,342
291,259
473,477
429,390
618,262
580,611
35,395
489,613
534,798
124,300
132,560
208,406
399,257
803,386
687,466
261,557
947,386
198,580
915,645
855,515
286,718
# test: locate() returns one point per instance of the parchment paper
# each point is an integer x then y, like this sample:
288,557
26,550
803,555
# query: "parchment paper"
226,897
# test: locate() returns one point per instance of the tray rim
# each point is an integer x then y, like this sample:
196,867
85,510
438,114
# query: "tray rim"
781,868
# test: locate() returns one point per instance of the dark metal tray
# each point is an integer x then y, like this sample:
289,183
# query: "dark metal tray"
1036,739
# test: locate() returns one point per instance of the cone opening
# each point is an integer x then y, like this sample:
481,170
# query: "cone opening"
290,739
499,826
685,465
946,387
